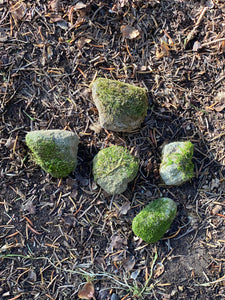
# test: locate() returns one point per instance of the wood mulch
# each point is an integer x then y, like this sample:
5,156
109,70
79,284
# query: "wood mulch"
57,235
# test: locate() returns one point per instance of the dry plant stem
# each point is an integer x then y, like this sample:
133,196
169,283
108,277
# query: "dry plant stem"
194,30
150,275
212,42
212,282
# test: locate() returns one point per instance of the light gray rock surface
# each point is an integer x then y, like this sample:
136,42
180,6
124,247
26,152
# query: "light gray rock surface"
121,106
113,168
154,220
177,166
55,151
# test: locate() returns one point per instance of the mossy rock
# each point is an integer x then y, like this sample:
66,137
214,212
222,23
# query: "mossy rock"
154,220
121,106
55,151
177,166
113,168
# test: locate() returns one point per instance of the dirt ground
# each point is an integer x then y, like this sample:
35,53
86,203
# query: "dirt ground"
57,235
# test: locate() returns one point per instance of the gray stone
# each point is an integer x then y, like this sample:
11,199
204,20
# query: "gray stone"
121,106
177,166
113,168
154,220
55,151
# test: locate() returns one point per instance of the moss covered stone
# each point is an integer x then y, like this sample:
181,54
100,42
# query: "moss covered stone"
121,106
55,151
154,220
113,168
177,166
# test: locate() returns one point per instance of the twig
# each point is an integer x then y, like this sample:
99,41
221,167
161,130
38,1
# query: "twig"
212,42
211,282
194,30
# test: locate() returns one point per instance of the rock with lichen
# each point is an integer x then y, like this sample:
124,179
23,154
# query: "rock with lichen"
113,168
154,220
121,106
177,166
55,151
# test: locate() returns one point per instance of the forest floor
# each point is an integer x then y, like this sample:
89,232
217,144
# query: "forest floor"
64,239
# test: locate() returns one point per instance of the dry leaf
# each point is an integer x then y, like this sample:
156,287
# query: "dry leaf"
117,7
81,9
54,5
117,242
135,274
197,45
87,292
32,276
29,207
220,108
49,52
158,270
79,5
215,183
18,10
124,208
10,143
82,41
216,209
162,51
129,32
96,127
129,263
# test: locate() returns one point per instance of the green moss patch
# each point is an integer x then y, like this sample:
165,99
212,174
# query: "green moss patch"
154,220
113,168
177,166
55,151
122,107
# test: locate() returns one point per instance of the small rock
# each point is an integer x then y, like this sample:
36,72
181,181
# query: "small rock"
121,106
177,166
154,220
114,297
55,151
113,168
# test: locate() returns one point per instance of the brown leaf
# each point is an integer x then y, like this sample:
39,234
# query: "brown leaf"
117,7
79,5
216,209
117,242
82,41
158,270
129,263
87,292
129,32
162,51
29,207
219,108
96,127
124,208
10,143
54,5
18,10
81,9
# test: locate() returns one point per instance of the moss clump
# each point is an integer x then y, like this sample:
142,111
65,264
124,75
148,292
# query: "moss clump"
154,220
122,107
113,168
55,151
177,166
